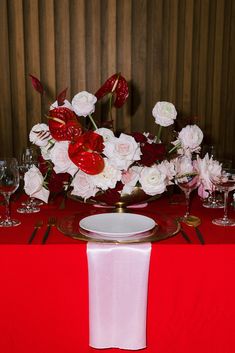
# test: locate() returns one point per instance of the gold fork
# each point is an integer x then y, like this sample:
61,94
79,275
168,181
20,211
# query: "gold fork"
51,223
37,225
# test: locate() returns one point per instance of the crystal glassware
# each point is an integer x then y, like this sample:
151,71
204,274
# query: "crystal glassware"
214,199
28,159
225,183
9,182
187,183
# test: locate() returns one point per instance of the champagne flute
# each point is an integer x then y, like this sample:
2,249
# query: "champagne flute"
9,182
187,182
225,183
28,159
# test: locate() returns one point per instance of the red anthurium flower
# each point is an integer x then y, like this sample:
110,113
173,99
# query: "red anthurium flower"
152,152
63,124
117,85
85,152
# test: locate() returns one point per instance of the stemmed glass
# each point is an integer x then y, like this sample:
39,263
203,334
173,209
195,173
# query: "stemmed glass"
9,182
28,159
225,183
187,183
213,200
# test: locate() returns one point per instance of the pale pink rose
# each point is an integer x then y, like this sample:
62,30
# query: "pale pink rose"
152,180
40,135
84,103
164,113
33,184
83,185
60,158
122,151
108,178
130,178
66,104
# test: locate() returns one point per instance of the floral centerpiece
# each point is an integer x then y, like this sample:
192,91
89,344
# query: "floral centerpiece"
92,162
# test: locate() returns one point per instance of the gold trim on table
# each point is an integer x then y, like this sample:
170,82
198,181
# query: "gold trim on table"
166,227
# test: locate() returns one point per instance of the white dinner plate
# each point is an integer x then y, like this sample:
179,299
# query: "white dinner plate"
117,224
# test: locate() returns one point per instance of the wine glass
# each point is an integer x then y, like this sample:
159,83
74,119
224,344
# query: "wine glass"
187,183
213,200
9,182
28,159
225,183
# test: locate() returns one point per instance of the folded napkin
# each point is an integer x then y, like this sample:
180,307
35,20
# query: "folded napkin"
118,287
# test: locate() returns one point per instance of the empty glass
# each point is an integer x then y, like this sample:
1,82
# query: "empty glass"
9,182
187,183
28,159
225,183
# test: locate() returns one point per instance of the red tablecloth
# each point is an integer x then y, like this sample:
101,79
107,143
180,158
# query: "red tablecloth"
44,289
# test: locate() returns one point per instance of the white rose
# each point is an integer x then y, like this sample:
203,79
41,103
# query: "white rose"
83,185
60,158
164,113
129,179
66,104
108,178
191,137
40,135
33,184
107,134
84,103
152,180
122,151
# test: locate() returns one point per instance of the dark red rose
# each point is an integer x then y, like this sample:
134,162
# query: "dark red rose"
139,137
152,152
43,165
63,124
56,181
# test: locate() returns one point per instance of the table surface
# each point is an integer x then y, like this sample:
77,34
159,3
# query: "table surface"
44,289
213,234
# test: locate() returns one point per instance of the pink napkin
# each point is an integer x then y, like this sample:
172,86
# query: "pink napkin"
118,287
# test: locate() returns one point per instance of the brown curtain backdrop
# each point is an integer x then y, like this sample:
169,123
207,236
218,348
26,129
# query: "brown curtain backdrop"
181,51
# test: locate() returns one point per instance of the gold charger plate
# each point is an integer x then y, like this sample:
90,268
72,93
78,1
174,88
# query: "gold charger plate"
166,227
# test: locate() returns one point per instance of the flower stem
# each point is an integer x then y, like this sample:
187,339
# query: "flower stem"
174,148
110,105
159,133
93,122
